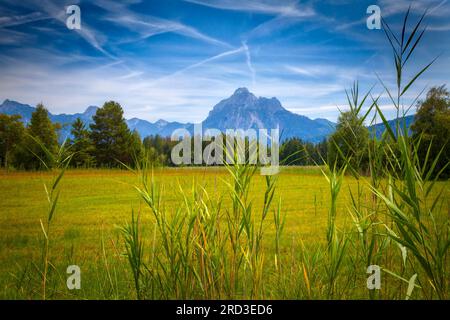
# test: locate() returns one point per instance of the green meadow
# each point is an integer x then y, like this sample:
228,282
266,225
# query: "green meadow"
94,204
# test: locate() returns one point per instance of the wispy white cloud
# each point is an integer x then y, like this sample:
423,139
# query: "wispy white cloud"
331,111
11,21
267,28
248,60
285,13
131,75
439,27
316,71
49,9
302,71
199,64
12,37
282,7
147,26
436,8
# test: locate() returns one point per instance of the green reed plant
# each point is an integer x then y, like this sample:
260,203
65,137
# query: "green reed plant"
245,230
110,289
410,198
367,242
415,216
336,245
134,250
58,163
279,222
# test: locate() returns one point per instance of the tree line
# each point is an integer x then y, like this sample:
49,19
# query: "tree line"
108,142
352,143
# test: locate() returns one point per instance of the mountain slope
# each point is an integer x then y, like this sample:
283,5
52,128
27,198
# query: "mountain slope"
243,110
379,128
10,108
160,127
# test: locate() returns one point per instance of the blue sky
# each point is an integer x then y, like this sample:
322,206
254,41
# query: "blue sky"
176,59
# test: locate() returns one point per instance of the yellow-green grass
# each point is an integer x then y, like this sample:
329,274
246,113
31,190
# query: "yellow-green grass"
94,202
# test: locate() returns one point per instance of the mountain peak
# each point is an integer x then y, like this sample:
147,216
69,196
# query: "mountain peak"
9,102
161,122
241,91
91,110
10,106
243,96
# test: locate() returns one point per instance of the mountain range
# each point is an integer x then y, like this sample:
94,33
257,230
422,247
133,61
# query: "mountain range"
145,128
242,110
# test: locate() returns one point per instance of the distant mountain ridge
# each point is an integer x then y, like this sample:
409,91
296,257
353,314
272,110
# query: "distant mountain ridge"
161,127
145,128
379,128
242,110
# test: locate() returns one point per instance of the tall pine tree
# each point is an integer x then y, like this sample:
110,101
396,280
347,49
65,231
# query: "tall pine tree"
81,145
41,132
110,136
42,128
11,135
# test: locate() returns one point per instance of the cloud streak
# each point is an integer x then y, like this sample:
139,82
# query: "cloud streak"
248,60
147,26
435,8
47,9
287,8
11,21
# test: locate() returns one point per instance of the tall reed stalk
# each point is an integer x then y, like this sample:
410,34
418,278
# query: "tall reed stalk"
58,164
336,245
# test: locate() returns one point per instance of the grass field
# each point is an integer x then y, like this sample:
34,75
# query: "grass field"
94,203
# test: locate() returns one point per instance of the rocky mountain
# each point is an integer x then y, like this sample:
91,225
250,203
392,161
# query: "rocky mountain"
10,107
243,110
